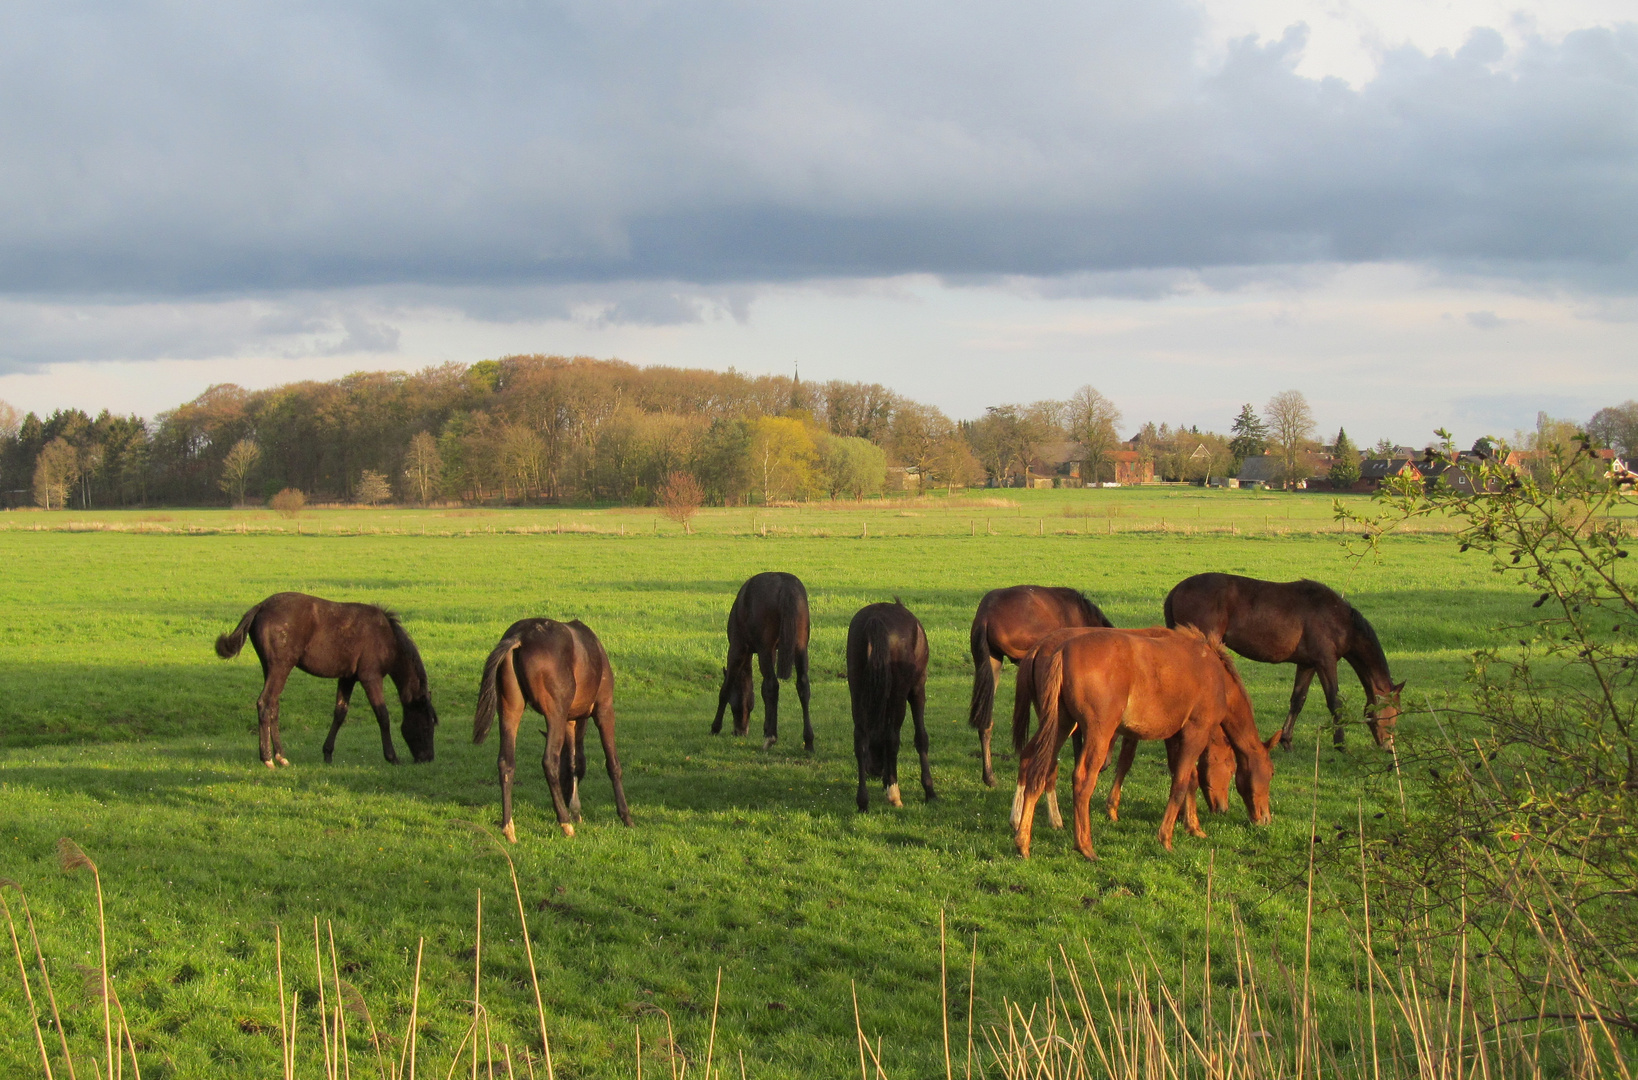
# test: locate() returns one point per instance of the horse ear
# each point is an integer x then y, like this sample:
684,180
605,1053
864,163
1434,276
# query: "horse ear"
1397,687
1268,743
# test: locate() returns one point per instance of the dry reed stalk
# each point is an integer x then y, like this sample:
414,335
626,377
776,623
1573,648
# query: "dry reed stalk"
284,1028
22,971
711,1044
944,997
323,1005
477,973
71,859
972,972
528,945
858,1030
341,1021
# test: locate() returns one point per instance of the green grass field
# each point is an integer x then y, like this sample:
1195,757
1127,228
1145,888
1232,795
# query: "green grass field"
121,729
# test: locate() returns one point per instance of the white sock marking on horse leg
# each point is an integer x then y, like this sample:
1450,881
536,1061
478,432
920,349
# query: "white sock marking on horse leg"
1017,806
893,798
1053,815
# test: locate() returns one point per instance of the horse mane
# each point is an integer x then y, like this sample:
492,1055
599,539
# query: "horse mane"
1215,644
1093,613
406,646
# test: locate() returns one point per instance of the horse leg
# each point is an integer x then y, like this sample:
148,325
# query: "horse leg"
267,717
1299,695
988,721
344,696
1029,793
918,706
557,733
573,766
770,697
1123,765
1333,701
1194,737
890,767
1191,805
603,714
1087,767
803,689
511,716
378,702
1077,740
861,755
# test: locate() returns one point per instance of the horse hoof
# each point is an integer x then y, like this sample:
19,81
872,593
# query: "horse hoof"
510,832
282,760
989,780
568,830
269,764
893,797
327,754
929,796
769,741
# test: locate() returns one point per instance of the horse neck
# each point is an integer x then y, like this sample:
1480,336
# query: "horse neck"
406,670
1370,663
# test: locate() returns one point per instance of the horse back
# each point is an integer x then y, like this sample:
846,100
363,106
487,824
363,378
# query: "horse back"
325,638
1148,683
1015,619
562,667
761,609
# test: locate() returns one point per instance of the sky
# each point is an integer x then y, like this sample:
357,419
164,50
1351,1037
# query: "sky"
1420,214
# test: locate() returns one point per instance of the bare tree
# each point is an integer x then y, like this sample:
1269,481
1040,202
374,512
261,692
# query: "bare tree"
10,419
1093,420
236,469
54,473
680,498
373,488
1290,427
422,466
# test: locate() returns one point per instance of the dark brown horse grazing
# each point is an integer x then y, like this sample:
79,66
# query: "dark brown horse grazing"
562,671
887,670
1153,684
769,620
351,643
1294,622
1007,625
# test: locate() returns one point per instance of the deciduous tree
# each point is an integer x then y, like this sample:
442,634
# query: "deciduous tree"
236,467
1290,428
423,468
1092,420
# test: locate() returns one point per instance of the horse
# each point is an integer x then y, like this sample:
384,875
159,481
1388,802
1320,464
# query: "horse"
1154,684
887,670
1213,771
563,672
1294,622
769,620
351,643
1007,625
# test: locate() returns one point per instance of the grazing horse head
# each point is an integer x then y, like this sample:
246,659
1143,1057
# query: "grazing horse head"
1382,716
420,718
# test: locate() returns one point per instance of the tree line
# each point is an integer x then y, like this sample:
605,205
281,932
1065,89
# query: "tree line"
549,428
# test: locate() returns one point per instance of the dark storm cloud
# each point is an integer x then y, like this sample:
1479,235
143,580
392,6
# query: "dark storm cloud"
208,151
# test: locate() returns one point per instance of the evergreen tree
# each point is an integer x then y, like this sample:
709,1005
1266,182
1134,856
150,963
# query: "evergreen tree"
1250,435
1345,463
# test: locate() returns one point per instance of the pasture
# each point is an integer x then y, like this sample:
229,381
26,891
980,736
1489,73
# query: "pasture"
120,728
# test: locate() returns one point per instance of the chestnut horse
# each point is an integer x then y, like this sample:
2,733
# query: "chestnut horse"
1153,684
351,643
1294,622
1213,772
769,620
1007,625
562,671
887,670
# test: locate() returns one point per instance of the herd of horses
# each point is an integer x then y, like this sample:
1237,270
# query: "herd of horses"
1083,679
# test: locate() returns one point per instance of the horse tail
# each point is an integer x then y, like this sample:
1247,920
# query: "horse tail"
1023,696
229,644
790,613
878,677
487,688
1041,760
978,713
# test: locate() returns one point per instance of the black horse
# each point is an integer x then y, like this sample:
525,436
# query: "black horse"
1294,622
351,643
769,619
887,670
563,671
